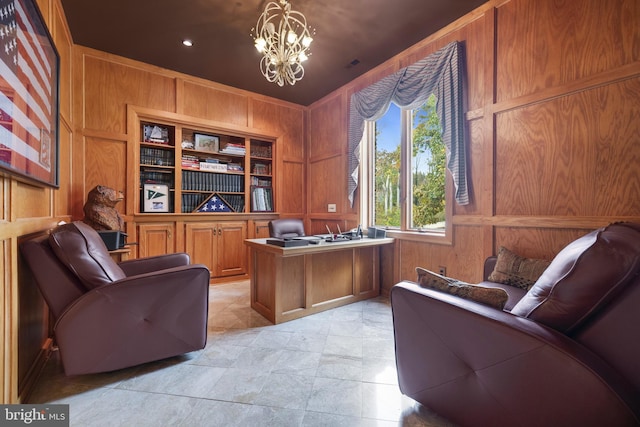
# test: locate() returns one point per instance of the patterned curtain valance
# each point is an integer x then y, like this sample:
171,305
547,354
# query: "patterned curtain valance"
441,73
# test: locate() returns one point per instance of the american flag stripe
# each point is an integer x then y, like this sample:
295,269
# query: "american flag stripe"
25,150
27,85
30,31
7,105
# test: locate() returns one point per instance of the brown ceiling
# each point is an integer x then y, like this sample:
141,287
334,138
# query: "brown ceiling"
151,31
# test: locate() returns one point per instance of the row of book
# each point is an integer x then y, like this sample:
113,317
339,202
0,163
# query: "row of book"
262,182
154,176
191,201
207,181
261,168
261,151
261,199
156,156
235,201
231,148
190,162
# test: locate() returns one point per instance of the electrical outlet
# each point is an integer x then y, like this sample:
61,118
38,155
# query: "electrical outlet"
442,270
331,207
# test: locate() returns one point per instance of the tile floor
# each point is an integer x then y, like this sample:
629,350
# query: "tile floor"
334,368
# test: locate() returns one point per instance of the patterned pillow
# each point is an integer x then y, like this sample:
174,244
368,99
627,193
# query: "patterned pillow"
494,297
514,270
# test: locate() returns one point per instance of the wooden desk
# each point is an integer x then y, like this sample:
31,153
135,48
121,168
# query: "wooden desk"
289,283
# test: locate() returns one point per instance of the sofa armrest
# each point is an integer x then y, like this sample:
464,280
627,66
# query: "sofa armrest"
476,365
489,265
135,267
135,320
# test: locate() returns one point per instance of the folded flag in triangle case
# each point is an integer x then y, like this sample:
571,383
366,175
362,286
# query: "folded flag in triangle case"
215,204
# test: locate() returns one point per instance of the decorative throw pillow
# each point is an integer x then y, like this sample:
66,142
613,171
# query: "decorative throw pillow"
494,297
515,270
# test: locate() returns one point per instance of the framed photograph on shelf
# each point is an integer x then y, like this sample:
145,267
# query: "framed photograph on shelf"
206,142
155,198
29,99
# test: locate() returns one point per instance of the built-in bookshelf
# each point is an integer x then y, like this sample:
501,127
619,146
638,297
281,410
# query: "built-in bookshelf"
261,163
184,168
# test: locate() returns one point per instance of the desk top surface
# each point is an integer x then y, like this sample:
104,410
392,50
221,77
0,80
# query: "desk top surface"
262,245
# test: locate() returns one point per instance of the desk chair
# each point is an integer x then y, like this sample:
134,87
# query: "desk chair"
286,228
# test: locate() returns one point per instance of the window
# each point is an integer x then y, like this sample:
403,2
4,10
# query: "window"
406,176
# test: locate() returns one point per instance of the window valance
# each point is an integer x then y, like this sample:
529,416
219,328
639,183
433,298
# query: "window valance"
441,74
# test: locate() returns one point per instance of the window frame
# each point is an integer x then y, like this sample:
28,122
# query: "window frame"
367,199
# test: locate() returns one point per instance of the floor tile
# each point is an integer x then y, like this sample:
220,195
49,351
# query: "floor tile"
334,368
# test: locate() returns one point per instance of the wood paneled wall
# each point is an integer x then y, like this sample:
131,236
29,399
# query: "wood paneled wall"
108,84
28,210
553,103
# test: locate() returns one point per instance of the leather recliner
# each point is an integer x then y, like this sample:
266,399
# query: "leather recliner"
566,354
109,316
286,228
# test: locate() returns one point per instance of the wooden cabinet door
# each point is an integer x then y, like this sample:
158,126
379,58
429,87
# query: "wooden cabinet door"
232,253
260,229
201,242
156,239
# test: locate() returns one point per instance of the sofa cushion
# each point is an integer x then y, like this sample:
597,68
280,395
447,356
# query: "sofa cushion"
494,297
583,277
515,294
82,250
515,270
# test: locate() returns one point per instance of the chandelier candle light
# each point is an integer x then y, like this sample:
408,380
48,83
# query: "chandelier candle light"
283,38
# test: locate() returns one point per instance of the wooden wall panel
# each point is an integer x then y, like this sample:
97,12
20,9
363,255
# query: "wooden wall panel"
292,198
106,164
109,86
63,194
318,225
558,42
4,183
542,243
9,332
62,40
30,201
576,155
214,104
327,129
462,260
327,184
285,121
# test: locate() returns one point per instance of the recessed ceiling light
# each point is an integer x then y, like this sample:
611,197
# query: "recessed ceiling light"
187,42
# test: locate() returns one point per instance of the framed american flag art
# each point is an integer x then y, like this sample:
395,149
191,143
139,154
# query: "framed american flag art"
29,66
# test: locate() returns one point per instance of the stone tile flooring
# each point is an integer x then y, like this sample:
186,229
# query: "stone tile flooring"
334,368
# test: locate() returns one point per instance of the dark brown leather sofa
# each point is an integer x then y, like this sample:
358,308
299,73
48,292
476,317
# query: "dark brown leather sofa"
110,316
566,353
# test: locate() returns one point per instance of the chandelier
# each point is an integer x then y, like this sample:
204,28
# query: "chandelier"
283,38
